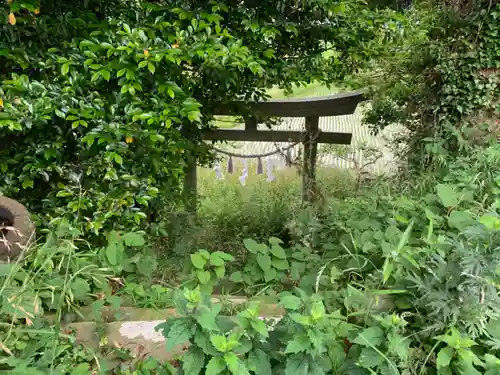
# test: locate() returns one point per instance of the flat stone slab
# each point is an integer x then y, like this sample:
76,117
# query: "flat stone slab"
139,337
134,329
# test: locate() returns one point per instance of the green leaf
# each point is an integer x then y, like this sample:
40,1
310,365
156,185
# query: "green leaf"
5,269
219,342
236,277
198,260
252,246
220,271
371,336
204,277
80,288
225,256
133,239
317,310
280,264
264,262
65,69
447,195
81,369
180,333
206,320
235,365
387,269
193,361
297,365
60,113
205,254
27,183
112,253
151,68
118,159
216,260
215,366
490,221
106,74
260,327
278,251
300,343
202,340
270,275
291,302
259,363
369,358
444,357
460,220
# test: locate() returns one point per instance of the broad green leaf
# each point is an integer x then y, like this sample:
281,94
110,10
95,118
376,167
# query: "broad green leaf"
444,357
65,69
133,239
236,277
447,195
215,366
490,221
106,74
280,264
198,261
369,358
203,277
296,270
297,364
235,365
371,336
460,220
5,269
275,241
193,361
180,333
112,253
216,260
252,245
151,68
299,343
220,271
260,327
317,310
81,369
398,345
264,262
259,363
278,251
225,256
207,318
202,340
80,288
291,302
219,342
60,113
270,275
204,253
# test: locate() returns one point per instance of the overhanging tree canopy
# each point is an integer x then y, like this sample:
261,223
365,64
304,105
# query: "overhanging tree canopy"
102,100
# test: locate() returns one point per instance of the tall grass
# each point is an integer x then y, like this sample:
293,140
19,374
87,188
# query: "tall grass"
229,212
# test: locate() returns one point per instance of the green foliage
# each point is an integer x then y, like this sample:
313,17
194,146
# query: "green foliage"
208,269
102,103
249,344
441,84
270,264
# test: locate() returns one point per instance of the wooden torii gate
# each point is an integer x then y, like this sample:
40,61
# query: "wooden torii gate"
310,108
